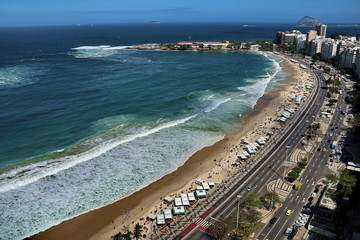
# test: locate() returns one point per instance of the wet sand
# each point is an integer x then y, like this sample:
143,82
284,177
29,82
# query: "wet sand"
107,221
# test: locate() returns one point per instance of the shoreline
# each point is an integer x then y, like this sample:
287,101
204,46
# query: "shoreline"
106,221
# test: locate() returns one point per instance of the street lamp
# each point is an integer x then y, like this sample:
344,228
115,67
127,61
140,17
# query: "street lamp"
237,216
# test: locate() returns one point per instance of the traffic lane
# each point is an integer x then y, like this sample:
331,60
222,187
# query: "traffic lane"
296,200
299,120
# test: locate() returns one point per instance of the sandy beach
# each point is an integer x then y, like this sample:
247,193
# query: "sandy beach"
212,163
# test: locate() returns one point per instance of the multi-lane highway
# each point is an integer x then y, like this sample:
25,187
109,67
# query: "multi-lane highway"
270,167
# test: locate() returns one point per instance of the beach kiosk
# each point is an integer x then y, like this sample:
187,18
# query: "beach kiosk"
160,219
178,210
200,193
191,197
168,199
206,186
167,214
151,217
251,151
184,199
178,201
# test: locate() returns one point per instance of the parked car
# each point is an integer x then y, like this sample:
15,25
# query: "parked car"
249,188
288,212
287,231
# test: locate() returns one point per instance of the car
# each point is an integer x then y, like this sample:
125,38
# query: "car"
287,231
273,220
324,149
249,188
288,212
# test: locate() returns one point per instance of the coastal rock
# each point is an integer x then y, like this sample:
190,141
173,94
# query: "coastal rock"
307,22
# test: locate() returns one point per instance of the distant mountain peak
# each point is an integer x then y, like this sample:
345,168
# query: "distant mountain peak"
307,22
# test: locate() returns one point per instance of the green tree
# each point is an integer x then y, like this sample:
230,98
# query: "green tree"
252,200
332,178
137,231
347,183
219,229
270,199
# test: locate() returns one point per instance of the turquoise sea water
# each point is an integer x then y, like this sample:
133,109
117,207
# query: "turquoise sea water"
95,122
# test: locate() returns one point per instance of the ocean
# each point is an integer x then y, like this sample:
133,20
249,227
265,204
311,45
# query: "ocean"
85,122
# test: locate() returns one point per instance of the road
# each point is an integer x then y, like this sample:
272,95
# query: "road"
260,174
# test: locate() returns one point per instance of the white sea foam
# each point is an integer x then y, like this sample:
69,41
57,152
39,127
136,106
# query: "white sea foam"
29,174
91,184
19,75
258,88
215,103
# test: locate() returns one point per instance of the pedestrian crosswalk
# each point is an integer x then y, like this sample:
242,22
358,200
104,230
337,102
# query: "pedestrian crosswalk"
202,222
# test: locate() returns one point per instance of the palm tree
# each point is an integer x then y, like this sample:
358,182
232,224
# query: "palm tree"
270,199
117,236
137,231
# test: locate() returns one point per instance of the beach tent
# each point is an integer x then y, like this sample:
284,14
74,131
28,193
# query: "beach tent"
191,196
199,188
257,145
178,210
167,214
285,114
282,119
152,217
184,199
160,219
206,186
242,157
211,184
246,154
253,146
168,199
178,201
251,151
291,110
200,193
261,142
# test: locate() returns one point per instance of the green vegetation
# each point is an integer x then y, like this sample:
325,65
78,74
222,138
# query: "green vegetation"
248,221
312,130
270,199
316,57
288,48
355,101
127,234
295,172
336,35
265,46
332,178
347,182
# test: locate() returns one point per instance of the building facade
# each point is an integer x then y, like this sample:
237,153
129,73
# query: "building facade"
328,49
357,65
347,57
321,29
300,42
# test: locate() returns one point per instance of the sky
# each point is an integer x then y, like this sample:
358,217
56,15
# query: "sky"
69,12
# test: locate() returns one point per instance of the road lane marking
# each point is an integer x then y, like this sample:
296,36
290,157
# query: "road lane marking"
282,227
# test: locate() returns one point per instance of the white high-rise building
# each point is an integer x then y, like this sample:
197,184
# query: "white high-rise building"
300,42
347,57
328,49
315,46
